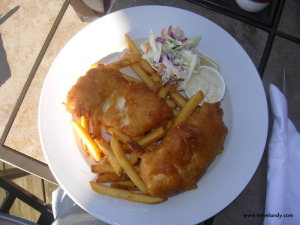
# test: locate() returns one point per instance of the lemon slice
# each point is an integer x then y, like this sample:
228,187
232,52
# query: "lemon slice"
205,61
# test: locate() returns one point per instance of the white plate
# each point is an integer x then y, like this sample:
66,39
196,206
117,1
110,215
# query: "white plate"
244,105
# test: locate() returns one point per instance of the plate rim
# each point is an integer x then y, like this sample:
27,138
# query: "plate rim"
138,7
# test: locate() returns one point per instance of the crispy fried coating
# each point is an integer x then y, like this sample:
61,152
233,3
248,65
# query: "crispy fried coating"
107,98
185,154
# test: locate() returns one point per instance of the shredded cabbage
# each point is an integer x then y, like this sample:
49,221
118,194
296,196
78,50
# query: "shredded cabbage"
172,54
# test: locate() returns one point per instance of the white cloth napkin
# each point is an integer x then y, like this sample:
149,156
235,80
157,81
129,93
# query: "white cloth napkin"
67,212
283,179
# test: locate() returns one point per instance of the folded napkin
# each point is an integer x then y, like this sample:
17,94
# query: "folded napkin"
67,212
283,180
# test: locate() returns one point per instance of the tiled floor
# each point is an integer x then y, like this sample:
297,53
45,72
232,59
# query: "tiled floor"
20,46
23,32
22,136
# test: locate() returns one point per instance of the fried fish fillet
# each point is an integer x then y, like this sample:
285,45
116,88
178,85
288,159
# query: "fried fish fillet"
107,98
185,154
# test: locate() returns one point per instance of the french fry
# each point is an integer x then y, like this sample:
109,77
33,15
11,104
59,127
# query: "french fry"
133,159
122,187
120,136
131,46
188,109
143,63
107,168
155,77
126,185
124,62
127,166
85,124
178,99
176,112
141,73
130,78
86,139
153,136
151,147
124,194
170,103
147,67
106,149
110,177
163,91
102,168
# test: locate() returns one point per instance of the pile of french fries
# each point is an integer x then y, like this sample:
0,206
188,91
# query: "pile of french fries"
118,159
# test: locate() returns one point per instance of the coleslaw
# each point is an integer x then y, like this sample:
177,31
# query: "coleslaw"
173,55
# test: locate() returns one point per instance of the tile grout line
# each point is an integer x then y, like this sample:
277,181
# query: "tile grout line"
271,30
271,37
33,72
287,36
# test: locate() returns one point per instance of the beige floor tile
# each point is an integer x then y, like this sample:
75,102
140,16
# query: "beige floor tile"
24,28
24,135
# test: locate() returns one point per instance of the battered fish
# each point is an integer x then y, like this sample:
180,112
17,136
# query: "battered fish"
107,98
185,154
